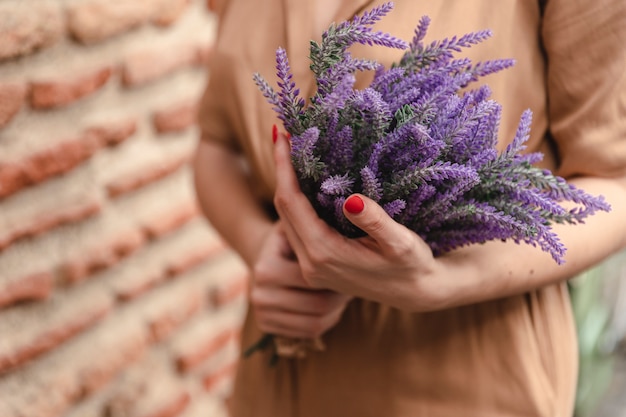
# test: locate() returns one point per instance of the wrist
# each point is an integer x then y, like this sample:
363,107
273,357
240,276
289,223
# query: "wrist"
453,282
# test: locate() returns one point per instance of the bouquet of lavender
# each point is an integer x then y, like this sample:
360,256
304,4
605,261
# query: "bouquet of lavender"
416,144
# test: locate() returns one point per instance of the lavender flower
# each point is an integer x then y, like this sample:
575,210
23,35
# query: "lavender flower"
417,145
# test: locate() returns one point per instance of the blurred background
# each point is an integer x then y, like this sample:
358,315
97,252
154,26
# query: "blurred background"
116,298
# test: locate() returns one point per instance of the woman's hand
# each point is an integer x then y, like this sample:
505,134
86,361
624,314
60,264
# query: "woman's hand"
284,304
391,265
394,266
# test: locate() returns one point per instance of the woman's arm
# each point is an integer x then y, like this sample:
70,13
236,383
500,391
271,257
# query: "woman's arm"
394,266
226,199
284,304
501,269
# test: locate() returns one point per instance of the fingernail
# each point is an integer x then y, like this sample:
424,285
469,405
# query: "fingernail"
354,204
288,135
274,133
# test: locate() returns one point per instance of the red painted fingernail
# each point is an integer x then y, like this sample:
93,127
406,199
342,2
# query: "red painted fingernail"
274,133
288,135
354,204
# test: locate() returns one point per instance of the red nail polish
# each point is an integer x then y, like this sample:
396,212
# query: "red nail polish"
354,204
274,133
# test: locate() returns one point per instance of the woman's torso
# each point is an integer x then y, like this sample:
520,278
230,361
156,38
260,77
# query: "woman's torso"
510,357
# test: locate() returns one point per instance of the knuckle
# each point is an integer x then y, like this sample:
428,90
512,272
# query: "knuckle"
311,276
261,273
307,270
281,199
256,297
319,256
258,271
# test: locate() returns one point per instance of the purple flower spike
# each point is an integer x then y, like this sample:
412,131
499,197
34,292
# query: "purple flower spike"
289,104
419,142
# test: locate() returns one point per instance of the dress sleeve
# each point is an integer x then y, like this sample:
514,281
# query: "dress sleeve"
585,49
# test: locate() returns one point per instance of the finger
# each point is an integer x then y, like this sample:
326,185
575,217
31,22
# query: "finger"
277,271
284,247
296,244
311,254
295,325
292,205
367,215
313,302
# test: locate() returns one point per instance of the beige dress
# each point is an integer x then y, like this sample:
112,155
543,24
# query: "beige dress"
510,357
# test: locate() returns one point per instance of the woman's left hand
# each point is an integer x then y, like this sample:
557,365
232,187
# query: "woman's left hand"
391,265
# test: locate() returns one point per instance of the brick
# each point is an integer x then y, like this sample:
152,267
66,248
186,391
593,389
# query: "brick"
39,328
172,316
132,289
173,304
127,243
203,405
50,386
7,239
101,256
203,55
168,257
47,94
95,374
62,157
97,20
65,215
171,409
91,262
58,159
45,164
137,395
167,221
12,98
27,27
230,290
214,5
192,258
89,407
144,175
113,134
46,221
212,379
217,374
169,12
147,66
176,118
12,178
35,287
204,349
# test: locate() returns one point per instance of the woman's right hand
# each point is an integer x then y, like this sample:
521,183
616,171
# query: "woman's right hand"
283,303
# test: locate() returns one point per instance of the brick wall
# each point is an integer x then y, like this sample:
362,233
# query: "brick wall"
116,297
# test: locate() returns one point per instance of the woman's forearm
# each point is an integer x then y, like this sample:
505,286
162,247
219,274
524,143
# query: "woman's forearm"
393,266
495,269
227,201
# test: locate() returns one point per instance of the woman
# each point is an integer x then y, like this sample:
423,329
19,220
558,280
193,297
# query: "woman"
482,331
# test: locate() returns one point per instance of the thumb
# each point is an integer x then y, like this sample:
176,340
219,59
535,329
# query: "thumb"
370,217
